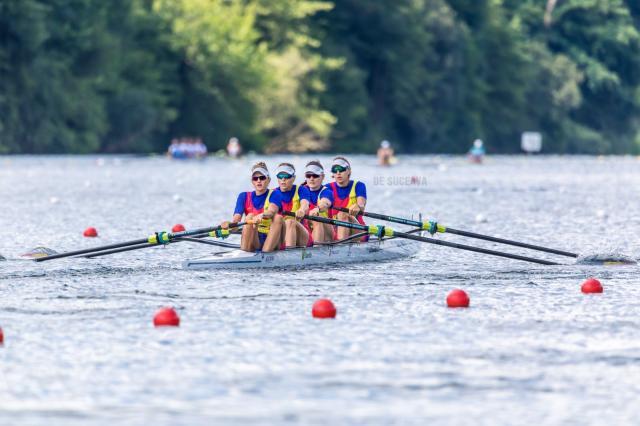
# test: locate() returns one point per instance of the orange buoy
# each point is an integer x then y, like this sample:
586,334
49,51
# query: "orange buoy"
323,308
178,227
166,317
592,285
1,337
458,299
90,232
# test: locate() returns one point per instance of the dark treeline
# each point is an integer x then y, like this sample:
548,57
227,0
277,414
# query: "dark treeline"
84,76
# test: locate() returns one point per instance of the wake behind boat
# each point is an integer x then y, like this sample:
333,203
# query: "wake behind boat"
375,250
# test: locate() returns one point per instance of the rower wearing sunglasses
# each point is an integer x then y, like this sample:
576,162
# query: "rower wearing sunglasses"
321,199
346,193
293,198
265,232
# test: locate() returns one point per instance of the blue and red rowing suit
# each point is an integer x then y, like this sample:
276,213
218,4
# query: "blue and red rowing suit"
347,196
251,203
290,201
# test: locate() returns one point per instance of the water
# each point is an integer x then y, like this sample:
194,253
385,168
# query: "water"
80,347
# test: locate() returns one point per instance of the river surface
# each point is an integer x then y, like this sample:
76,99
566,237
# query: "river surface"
80,347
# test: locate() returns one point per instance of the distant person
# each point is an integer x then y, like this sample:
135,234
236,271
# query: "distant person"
200,150
385,154
234,150
477,152
173,150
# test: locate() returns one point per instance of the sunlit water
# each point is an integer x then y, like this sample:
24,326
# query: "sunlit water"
80,347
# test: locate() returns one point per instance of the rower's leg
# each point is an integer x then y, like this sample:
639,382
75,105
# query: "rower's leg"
255,242
273,238
290,232
249,240
302,236
342,231
318,232
328,231
322,232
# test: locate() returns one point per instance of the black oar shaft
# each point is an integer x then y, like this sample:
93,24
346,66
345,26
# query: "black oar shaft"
509,242
429,240
93,249
139,243
468,234
119,250
471,248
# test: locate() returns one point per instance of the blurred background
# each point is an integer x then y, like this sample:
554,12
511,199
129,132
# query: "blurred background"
89,76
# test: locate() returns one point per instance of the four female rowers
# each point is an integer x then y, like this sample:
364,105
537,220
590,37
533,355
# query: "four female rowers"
268,229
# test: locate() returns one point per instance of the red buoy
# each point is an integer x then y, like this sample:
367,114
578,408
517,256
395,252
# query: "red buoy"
178,227
592,285
1,337
90,232
323,308
457,299
166,317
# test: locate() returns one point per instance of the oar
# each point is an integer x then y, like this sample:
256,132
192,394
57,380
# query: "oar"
434,227
383,231
158,238
194,239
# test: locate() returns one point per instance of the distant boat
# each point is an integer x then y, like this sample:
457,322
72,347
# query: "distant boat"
186,149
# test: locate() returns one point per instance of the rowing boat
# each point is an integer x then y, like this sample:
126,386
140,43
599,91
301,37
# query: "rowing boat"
375,250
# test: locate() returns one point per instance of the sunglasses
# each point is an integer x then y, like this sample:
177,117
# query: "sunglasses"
284,176
257,178
311,176
338,169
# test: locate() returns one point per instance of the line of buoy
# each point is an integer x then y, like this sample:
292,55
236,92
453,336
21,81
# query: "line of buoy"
325,308
92,232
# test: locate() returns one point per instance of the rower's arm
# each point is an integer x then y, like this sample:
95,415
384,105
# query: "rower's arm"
272,210
324,204
362,202
236,219
304,206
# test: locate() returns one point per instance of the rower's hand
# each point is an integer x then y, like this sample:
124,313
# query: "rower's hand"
354,210
225,224
299,214
257,218
314,212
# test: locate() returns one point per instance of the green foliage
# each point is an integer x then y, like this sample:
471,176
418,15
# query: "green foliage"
298,75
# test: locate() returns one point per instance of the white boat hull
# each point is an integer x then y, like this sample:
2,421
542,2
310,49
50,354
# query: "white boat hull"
373,251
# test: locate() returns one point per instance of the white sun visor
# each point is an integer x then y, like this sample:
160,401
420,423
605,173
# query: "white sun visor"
261,170
341,162
284,168
315,169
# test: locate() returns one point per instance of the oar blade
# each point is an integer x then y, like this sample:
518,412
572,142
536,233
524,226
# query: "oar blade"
38,253
606,259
